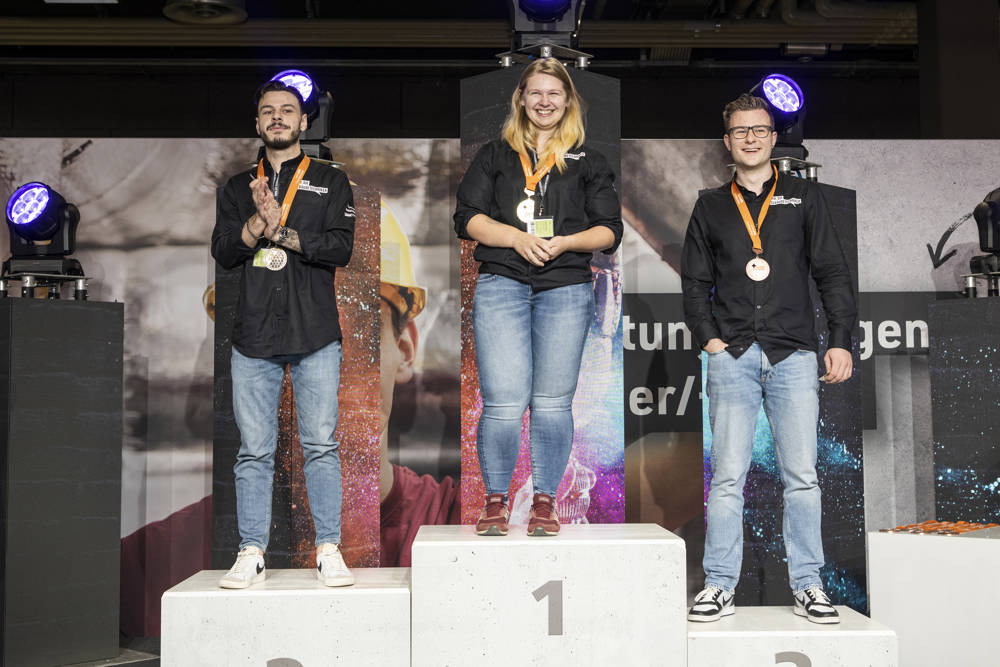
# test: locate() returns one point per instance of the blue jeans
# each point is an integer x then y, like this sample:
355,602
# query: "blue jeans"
788,389
256,392
528,349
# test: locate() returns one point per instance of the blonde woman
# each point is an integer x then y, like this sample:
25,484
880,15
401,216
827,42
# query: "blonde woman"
539,201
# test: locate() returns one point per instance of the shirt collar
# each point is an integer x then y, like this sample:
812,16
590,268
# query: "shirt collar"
749,195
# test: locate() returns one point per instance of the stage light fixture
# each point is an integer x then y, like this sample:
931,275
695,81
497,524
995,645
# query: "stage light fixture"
783,93
318,107
35,215
545,11
787,105
298,80
42,227
549,22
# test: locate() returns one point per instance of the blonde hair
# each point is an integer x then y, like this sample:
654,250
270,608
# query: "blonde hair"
521,134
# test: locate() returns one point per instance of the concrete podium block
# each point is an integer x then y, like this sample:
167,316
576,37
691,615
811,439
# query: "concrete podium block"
938,592
290,618
596,594
769,636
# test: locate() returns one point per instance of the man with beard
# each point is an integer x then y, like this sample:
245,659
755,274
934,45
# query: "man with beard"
286,316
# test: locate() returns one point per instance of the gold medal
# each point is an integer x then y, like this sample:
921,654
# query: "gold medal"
758,269
275,259
526,210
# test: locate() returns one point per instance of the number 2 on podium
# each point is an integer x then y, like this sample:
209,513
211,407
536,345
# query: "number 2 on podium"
553,590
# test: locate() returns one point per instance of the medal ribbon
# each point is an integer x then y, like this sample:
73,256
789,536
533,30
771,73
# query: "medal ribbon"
531,178
293,187
753,230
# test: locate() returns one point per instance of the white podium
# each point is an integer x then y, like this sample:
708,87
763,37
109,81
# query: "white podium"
939,593
289,619
775,636
596,594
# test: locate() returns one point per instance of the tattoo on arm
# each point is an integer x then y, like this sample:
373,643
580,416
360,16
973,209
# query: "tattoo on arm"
291,241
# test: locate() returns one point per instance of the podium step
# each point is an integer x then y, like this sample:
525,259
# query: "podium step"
938,592
289,619
596,594
769,636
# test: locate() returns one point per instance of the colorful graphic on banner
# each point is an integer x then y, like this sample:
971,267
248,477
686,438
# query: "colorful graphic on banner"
593,488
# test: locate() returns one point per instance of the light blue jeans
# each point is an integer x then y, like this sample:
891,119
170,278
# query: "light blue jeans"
528,349
789,391
256,393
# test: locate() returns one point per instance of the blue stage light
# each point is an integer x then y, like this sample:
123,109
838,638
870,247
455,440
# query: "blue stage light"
36,212
783,93
298,80
544,11
27,203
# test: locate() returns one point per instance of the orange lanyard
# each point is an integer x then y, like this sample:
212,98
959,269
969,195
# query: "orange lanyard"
293,187
531,178
754,230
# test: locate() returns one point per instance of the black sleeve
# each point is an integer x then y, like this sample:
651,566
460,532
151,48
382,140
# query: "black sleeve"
228,248
602,205
475,192
830,270
334,244
698,279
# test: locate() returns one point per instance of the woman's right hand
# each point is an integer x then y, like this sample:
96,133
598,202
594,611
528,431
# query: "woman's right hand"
532,248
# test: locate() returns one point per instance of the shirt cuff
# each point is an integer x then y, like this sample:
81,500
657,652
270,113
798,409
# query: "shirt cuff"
840,337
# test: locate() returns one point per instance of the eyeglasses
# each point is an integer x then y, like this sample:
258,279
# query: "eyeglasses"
759,131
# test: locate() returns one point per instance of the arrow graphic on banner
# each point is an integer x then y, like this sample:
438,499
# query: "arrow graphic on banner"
935,253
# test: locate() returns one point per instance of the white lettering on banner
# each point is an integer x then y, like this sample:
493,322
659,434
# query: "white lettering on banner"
651,335
640,399
886,335
779,201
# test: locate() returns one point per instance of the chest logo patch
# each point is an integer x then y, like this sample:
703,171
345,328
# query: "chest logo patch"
778,200
304,185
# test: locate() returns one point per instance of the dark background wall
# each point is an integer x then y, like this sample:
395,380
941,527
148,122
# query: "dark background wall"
104,98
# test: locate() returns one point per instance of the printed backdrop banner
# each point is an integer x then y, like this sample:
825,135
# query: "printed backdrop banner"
144,245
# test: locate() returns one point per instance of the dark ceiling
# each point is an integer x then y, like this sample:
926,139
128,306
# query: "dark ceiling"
670,33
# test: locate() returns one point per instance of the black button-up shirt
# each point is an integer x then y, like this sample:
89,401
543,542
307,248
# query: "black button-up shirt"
577,199
721,301
294,310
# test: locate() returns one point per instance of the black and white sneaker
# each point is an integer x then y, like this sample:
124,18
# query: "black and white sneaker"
248,569
330,566
815,605
711,605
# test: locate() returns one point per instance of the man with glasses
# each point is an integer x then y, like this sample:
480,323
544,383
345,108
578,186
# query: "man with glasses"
750,248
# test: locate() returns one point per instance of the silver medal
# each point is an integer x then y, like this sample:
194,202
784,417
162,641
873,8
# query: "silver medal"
275,259
758,269
526,210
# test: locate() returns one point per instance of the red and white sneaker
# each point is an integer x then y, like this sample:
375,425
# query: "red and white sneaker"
543,520
495,517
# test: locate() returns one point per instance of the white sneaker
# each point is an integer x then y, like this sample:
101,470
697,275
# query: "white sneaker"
330,566
815,605
248,569
711,605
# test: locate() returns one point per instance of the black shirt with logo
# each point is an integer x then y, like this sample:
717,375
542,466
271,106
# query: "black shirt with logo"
581,197
292,310
799,241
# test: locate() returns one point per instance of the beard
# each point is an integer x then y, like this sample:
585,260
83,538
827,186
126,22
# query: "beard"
280,144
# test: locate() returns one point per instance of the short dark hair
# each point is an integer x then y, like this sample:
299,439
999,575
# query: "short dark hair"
277,87
745,102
